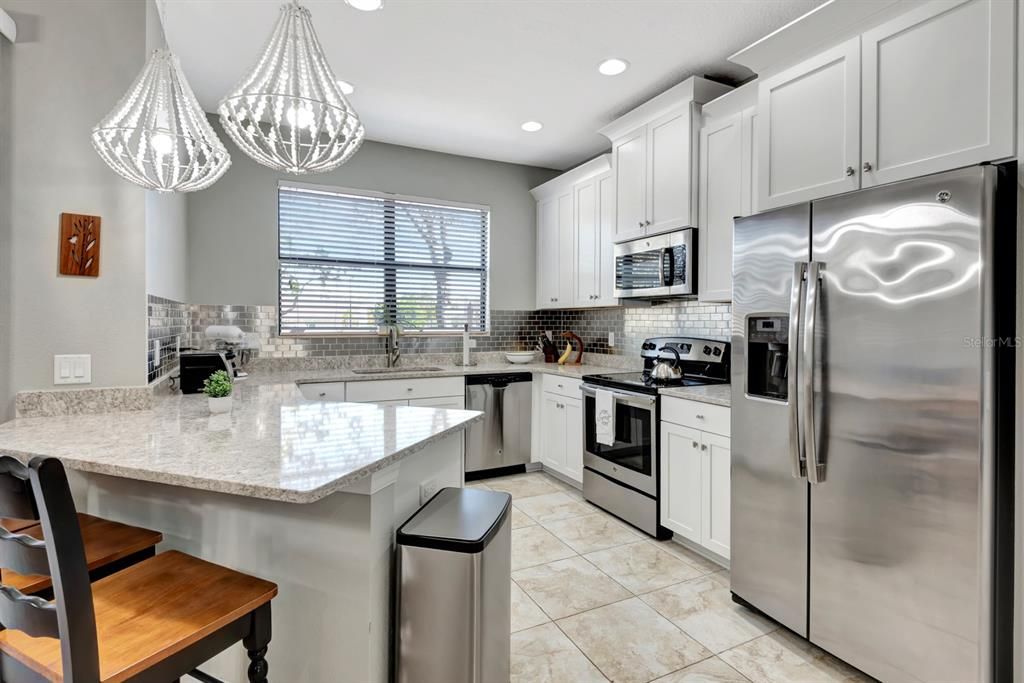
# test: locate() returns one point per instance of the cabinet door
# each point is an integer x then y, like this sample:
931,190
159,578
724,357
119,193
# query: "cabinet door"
553,432
748,155
606,234
629,163
566,270
681,480
721,199
588,244
938,89
809,129
323,391
670,190
547,253
451,402
573,413
716,466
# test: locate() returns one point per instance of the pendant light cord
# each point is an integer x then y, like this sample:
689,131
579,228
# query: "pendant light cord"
161,17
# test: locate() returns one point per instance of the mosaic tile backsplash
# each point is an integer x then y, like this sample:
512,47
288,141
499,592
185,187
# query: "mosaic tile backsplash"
510,330
169,322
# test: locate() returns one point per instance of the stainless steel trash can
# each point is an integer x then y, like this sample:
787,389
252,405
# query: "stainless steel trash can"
454,594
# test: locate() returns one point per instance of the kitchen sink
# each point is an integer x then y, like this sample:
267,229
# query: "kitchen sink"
394,371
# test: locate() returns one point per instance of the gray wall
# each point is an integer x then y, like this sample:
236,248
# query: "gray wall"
166,229
73,61
232,226
5,230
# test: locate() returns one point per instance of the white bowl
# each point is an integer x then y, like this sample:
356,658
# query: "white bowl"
520,356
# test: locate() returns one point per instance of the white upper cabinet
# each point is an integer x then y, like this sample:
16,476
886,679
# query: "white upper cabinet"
548,262
629,159
809,128
938,89
725,182
595,256
721,199
575,258
671,144
654,160
917,88
606,223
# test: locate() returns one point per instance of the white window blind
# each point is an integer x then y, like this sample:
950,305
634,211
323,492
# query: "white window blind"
350,262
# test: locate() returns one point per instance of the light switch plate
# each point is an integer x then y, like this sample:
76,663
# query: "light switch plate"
156,353
611,339
427,490
72,369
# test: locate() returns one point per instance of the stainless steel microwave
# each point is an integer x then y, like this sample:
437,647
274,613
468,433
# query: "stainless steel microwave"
660,265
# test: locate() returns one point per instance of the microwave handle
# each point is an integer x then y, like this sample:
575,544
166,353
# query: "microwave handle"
667,257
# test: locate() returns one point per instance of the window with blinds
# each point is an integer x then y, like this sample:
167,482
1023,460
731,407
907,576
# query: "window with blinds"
351,261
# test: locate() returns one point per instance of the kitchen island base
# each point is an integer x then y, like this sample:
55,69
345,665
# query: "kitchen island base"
331,559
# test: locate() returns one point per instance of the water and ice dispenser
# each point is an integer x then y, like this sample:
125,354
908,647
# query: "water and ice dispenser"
768,356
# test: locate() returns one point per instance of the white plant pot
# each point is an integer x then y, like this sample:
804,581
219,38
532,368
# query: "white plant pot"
221,404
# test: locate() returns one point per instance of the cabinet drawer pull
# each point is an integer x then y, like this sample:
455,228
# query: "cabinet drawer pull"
408,388
322,394
850,171
867,166
699,416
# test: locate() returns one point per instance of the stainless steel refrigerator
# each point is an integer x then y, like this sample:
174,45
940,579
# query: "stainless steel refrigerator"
872,438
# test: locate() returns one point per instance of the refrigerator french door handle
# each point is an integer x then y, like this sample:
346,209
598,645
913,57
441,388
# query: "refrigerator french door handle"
797,462
815,469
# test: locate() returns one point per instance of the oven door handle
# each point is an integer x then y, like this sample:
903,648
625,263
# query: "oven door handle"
667,257
637,400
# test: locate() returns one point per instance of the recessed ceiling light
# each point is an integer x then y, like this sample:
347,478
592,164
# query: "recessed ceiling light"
613,66
346,87
532,126
366,5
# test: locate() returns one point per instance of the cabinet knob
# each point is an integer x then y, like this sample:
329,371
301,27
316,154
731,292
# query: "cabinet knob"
408,388
699,416
866,166
695,444
703,446
322,394
850,171
647,222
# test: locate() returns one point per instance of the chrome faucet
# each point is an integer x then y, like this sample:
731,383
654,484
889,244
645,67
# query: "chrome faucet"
392,333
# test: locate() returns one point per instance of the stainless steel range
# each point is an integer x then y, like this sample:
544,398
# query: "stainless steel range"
620,425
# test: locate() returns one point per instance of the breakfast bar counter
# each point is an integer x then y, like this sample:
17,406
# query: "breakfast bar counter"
303,493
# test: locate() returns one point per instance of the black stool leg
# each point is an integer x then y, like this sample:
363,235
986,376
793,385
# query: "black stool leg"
256,644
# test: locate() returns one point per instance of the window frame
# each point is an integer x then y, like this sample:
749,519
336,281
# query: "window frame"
386,196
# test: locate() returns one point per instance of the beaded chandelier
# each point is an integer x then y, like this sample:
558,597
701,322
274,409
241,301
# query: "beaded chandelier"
158,136
289,112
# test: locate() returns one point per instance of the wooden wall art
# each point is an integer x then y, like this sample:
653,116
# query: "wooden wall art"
79,244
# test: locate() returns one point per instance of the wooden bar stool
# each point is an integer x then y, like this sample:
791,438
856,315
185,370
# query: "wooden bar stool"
109,547
152,622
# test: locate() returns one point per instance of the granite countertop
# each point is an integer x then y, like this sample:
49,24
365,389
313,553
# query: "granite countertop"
274,444
715,394
348,375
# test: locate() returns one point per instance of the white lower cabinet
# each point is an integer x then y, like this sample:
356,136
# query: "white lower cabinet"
439,392
695,477
561,445
448,402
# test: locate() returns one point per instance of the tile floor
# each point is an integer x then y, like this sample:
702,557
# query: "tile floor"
595,600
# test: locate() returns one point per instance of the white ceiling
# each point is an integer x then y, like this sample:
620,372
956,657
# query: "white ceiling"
460,76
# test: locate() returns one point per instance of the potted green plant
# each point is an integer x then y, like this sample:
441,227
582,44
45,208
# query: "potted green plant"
217,388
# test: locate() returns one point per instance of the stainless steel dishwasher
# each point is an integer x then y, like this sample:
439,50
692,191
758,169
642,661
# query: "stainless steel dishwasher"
501,441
